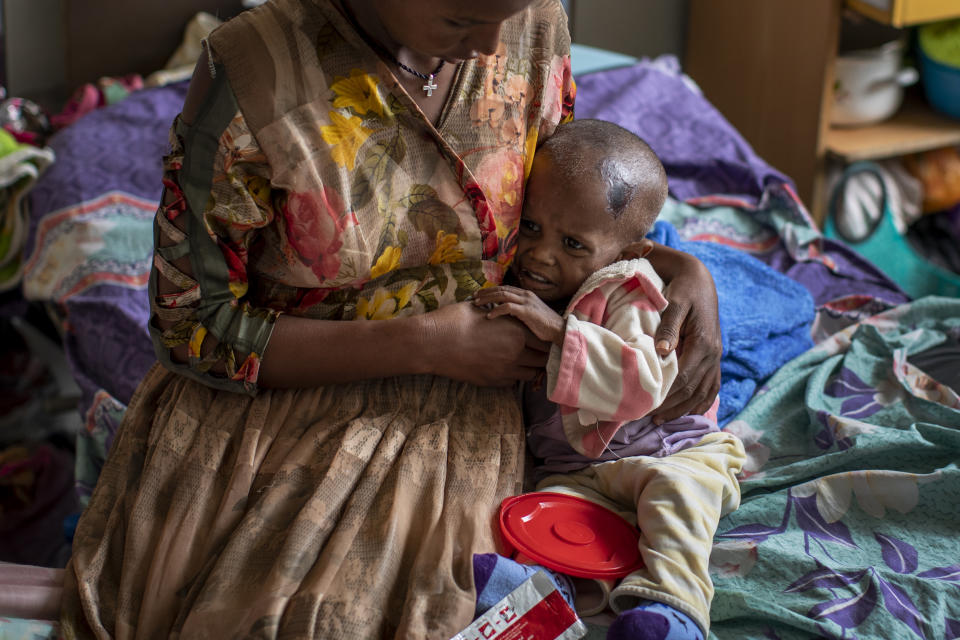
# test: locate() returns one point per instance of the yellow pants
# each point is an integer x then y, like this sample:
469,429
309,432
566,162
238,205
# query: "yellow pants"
677,502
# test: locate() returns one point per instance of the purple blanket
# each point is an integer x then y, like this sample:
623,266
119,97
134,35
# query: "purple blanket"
106,180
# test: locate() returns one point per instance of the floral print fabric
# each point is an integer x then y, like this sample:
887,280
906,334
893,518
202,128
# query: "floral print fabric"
337,199
849,512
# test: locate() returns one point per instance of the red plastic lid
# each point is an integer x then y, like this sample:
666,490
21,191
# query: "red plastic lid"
570,535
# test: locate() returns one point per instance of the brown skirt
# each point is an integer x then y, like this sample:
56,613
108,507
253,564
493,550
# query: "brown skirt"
347,511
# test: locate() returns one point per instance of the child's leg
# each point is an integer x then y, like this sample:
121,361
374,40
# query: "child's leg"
679,500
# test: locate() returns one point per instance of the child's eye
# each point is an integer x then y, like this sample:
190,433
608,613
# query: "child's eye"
528,226
570,243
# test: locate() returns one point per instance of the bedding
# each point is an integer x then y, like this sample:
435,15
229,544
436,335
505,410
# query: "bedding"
847,527
89,249
849,513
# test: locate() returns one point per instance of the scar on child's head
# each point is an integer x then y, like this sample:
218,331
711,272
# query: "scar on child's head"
620,188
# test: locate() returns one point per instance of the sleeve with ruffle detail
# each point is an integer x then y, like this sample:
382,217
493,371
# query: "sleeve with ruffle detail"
216,200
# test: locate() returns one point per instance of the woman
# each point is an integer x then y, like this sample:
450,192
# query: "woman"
289,474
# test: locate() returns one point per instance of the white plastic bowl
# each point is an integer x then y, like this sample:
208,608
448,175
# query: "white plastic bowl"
868,85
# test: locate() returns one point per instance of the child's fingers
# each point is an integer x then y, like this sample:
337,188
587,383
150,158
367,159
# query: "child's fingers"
498,295
511,289
484,296
505,309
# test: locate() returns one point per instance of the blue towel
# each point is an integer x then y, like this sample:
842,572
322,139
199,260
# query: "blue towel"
765,316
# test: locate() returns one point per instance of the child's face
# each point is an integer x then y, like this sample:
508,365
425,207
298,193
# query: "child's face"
566,233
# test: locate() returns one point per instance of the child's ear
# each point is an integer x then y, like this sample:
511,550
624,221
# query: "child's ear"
636,250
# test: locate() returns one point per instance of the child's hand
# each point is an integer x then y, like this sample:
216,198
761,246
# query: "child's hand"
525,306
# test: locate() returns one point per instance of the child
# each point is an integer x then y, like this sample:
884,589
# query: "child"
593,193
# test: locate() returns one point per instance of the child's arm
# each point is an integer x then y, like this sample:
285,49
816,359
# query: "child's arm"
601,376
525,306
611,372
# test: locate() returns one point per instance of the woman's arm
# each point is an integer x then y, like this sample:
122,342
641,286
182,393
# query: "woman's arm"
456,341
692,322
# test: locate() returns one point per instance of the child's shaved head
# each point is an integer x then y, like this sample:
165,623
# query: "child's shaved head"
633,178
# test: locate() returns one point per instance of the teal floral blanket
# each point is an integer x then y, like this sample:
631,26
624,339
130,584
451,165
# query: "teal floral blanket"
850,521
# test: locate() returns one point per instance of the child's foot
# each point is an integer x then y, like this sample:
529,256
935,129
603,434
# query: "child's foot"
653,621
495,577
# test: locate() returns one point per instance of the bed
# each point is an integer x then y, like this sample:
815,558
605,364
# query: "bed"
833,377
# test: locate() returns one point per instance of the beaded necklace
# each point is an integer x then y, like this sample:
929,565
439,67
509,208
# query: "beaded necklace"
431,84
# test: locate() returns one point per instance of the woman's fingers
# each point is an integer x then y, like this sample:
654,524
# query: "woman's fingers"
698,377
693,391
533,358
496,352
668,333
535,343
690,324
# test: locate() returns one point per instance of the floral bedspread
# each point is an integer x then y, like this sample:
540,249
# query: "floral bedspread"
850,513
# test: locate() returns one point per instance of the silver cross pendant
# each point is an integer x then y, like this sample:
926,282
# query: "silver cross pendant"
430,86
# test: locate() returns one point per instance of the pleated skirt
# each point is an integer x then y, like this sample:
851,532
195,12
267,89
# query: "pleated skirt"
346,511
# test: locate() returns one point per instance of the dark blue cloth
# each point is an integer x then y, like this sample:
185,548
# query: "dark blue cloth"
765,316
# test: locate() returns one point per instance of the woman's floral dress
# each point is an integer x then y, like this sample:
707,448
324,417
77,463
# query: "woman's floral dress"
310,184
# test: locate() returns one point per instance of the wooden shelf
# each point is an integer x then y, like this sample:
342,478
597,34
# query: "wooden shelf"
902,13
916,127
779,97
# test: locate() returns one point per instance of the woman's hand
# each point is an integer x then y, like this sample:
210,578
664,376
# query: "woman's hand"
691,321
525,306
467,346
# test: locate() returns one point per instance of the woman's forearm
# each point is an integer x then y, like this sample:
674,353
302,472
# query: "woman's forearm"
692,317
456,341
304,352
